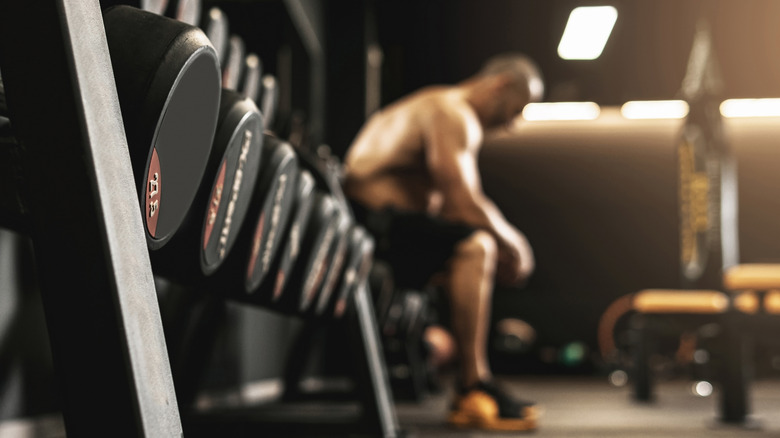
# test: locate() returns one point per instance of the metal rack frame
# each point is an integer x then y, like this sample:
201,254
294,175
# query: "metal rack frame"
74,194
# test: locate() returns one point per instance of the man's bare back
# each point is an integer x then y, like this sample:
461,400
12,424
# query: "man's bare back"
388,164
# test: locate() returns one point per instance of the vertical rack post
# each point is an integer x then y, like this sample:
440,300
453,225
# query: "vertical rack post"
379,409
84,218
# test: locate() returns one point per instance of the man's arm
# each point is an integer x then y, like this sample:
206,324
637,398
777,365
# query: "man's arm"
452,142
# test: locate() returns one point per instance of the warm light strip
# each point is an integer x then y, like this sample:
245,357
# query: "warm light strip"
561,111
587,32
750,108
655,109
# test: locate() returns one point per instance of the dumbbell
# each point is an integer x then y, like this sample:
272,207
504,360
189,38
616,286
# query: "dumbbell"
335,265
269,101
309,269
326,170
240,72
274,217
303,204
249,84
168,82
233,65
407,315
380,279
328,264
358,261
155,6
216,26
186,11
220,206
261,236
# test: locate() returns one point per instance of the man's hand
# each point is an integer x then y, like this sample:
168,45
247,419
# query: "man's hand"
515,260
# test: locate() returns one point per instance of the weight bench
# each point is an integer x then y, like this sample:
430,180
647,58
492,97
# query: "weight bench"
669,311
752,300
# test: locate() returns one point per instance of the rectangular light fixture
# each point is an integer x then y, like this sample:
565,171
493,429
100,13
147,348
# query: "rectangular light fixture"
750,108
587,32
654,109
561,111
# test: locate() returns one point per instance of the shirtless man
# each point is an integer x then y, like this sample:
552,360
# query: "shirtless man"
413,180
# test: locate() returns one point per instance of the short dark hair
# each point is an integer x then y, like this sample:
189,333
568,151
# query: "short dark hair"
522,69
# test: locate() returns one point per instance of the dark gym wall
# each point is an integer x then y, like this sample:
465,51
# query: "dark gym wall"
433,41
438,41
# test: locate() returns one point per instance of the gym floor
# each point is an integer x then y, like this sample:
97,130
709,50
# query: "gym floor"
591,407
581,407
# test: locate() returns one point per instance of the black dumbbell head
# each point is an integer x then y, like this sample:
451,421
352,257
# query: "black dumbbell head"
304,201
269,104
380,279
275,194
208,234
249,84
406,316
360,256
239,138
216,26
186,11
234,63
334,265
168,81
308,272
330,259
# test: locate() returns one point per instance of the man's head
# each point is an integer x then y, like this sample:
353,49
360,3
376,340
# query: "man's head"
509,81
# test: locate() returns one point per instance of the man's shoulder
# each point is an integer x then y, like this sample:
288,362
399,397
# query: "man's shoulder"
449,116
444,107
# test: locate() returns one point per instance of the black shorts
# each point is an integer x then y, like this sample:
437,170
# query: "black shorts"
415,244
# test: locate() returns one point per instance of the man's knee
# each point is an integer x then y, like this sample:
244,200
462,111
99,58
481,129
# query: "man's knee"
480,245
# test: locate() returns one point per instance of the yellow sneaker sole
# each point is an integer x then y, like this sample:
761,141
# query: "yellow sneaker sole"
466,420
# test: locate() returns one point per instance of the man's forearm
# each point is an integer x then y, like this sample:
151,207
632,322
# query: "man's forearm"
480,213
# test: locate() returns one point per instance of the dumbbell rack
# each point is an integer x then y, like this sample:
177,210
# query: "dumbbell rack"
73,192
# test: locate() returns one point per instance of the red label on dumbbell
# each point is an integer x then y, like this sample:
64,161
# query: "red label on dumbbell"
315,277
255,247
276,212
341,306
216,198
332,277
152,194
365,266
352,276
318,277
279,285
